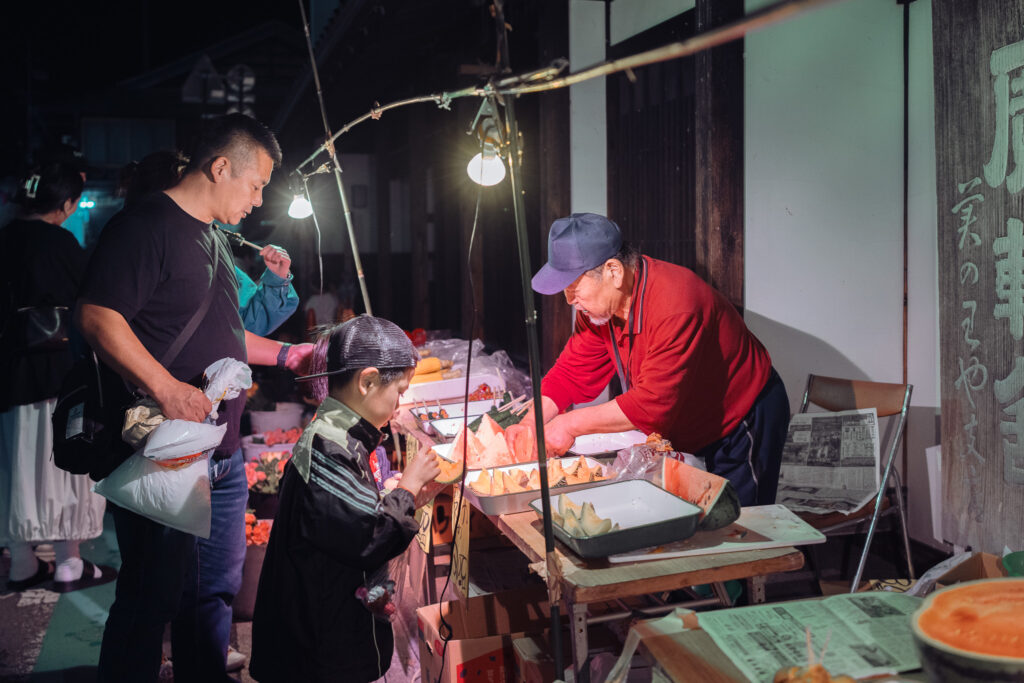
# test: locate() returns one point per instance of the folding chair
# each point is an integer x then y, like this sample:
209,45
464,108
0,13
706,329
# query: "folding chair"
834,395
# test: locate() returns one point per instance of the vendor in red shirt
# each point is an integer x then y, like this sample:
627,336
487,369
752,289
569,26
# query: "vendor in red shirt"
689,367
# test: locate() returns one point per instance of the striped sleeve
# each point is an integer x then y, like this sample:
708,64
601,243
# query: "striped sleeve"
345,517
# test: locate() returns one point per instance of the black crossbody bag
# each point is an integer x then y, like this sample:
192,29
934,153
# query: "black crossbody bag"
89,415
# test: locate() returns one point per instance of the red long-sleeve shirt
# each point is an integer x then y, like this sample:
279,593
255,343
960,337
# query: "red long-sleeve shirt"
694,369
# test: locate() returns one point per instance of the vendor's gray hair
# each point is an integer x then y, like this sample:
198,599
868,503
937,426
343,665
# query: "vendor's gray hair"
628,254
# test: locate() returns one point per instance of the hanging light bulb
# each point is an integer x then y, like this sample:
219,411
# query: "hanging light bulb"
300,207
486,169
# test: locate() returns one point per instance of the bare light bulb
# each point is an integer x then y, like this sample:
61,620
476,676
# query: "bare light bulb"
301,208
487,170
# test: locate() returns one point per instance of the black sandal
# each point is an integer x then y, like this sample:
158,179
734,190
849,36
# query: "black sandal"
43,574
88,578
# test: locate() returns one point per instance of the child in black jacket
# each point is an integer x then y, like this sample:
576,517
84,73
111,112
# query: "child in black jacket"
322,607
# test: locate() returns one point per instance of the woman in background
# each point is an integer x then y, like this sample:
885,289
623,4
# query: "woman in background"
39,502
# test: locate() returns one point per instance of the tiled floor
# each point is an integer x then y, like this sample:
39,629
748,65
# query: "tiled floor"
46,637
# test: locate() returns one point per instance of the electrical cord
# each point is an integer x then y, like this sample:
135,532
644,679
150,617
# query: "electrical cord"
316,224
446,630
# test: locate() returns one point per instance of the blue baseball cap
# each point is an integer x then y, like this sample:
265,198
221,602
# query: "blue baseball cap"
576,244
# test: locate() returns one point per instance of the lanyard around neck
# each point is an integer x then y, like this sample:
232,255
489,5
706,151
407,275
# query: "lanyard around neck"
623,374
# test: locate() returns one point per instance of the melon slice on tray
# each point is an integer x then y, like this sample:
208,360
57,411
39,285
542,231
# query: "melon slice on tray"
714,495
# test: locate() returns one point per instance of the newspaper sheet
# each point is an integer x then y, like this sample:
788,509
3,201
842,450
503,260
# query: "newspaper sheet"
830,461
868,634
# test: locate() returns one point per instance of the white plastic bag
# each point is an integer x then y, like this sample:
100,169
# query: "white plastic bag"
177,498
174,439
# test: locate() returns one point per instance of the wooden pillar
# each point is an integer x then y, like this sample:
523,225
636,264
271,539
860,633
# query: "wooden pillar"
718,132
421,256
979,63
383,170
553,171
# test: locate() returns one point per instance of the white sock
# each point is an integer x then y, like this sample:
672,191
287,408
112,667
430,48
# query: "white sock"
24,562
69,562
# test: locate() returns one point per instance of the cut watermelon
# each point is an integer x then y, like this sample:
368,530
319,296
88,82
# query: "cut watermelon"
714,495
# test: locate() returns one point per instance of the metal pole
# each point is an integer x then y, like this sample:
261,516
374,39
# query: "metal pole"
336,167
532,345
533,350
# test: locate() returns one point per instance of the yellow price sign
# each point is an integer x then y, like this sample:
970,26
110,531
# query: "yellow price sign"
460,549
425,535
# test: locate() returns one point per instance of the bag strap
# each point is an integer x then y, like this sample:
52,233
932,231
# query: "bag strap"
197,317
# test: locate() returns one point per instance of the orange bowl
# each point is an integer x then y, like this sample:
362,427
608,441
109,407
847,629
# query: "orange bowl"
972,632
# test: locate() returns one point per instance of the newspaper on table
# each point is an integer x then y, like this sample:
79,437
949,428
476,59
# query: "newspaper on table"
868,634
830,461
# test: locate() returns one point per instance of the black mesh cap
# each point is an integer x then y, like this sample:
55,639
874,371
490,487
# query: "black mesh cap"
367,342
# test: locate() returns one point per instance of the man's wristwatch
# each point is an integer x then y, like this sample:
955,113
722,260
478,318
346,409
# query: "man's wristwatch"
282,356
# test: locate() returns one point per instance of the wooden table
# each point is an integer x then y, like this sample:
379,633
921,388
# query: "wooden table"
581,582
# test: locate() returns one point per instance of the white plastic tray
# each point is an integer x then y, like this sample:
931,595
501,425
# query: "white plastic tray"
594,444
445,389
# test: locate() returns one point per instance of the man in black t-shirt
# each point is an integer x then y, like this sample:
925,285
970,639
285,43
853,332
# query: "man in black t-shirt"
149,275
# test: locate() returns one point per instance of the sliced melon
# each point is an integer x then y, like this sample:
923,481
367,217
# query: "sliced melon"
714,495
592,524
451,472
511,483
567,507
533,482
572,526
483,483
556,475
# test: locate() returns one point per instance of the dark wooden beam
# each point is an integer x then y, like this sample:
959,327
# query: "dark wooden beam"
718,131
553,170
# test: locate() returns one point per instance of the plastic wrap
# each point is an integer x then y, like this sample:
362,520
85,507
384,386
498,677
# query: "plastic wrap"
643,461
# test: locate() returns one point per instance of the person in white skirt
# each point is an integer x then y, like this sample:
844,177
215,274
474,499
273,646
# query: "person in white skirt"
38,502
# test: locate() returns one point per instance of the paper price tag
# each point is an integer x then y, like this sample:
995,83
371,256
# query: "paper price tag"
425,535
460,549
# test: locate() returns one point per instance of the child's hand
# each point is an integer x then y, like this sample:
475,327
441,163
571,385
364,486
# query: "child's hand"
391,483
421,470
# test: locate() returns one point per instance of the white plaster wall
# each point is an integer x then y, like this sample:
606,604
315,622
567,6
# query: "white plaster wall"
823,147
587,138
630,17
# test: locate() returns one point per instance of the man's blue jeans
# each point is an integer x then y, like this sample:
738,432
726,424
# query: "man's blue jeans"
167,575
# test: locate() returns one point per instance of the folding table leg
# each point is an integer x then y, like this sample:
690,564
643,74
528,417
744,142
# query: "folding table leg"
580,641
755,589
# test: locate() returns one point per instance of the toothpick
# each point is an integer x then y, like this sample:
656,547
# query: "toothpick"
523,408
517,399
810,649
824,649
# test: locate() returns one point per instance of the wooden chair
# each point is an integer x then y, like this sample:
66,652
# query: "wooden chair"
834,394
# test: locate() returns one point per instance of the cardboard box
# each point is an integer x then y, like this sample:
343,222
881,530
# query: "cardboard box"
483,629
978,566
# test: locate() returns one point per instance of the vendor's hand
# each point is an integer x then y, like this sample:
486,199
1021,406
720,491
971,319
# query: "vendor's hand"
298,358
421,470
277,260
180,401
521,440
557,437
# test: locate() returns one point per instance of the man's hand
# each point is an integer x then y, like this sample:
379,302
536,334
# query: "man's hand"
180,401
277,260
557,437
298,359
